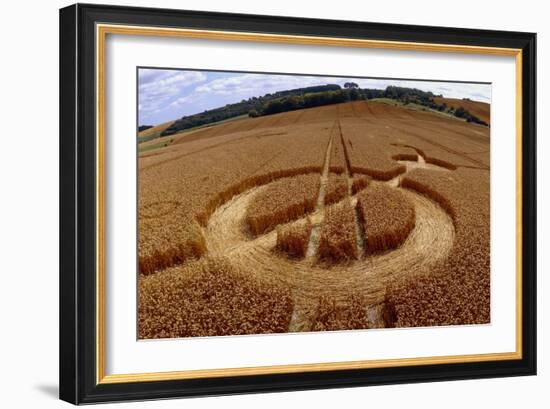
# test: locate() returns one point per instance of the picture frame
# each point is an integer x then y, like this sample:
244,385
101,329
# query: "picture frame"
83,179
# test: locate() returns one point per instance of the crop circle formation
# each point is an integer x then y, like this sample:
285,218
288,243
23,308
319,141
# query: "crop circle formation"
338,217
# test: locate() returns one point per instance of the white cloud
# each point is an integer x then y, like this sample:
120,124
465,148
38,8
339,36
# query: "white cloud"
246,85
157,88
180,101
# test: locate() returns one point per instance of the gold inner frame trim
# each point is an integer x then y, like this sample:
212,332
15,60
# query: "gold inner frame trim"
101,32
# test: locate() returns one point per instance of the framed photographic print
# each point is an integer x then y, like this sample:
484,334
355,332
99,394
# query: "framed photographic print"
258,203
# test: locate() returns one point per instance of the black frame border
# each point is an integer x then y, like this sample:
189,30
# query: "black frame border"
78,210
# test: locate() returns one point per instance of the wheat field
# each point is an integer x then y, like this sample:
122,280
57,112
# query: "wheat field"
347,216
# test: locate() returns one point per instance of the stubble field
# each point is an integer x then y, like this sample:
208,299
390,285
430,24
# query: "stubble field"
348,216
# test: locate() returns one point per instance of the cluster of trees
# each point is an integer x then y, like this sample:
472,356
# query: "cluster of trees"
315,96
144,127
412,95
350,92
308,100
409,94
463,113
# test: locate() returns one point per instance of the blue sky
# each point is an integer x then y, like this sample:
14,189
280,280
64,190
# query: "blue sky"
166,95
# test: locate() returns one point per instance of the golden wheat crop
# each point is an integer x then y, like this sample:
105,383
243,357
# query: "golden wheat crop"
337,188
337,155
201,176
282,201
210,297
191,293
298,151
332,316
457,291
386,216
439,144
443,140
359,182
338,238
367,153
178,244
293,239
405,156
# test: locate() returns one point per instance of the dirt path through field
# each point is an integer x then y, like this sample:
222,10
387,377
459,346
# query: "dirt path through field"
313,243
358,228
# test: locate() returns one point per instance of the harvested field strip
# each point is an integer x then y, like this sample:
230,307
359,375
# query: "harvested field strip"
338,239
211,297
457,292
285,200
386,216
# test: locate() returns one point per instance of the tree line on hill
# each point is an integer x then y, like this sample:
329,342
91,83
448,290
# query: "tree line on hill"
240,108
144,127
315,96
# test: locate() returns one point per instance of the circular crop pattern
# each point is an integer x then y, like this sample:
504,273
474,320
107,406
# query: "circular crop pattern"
328,252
